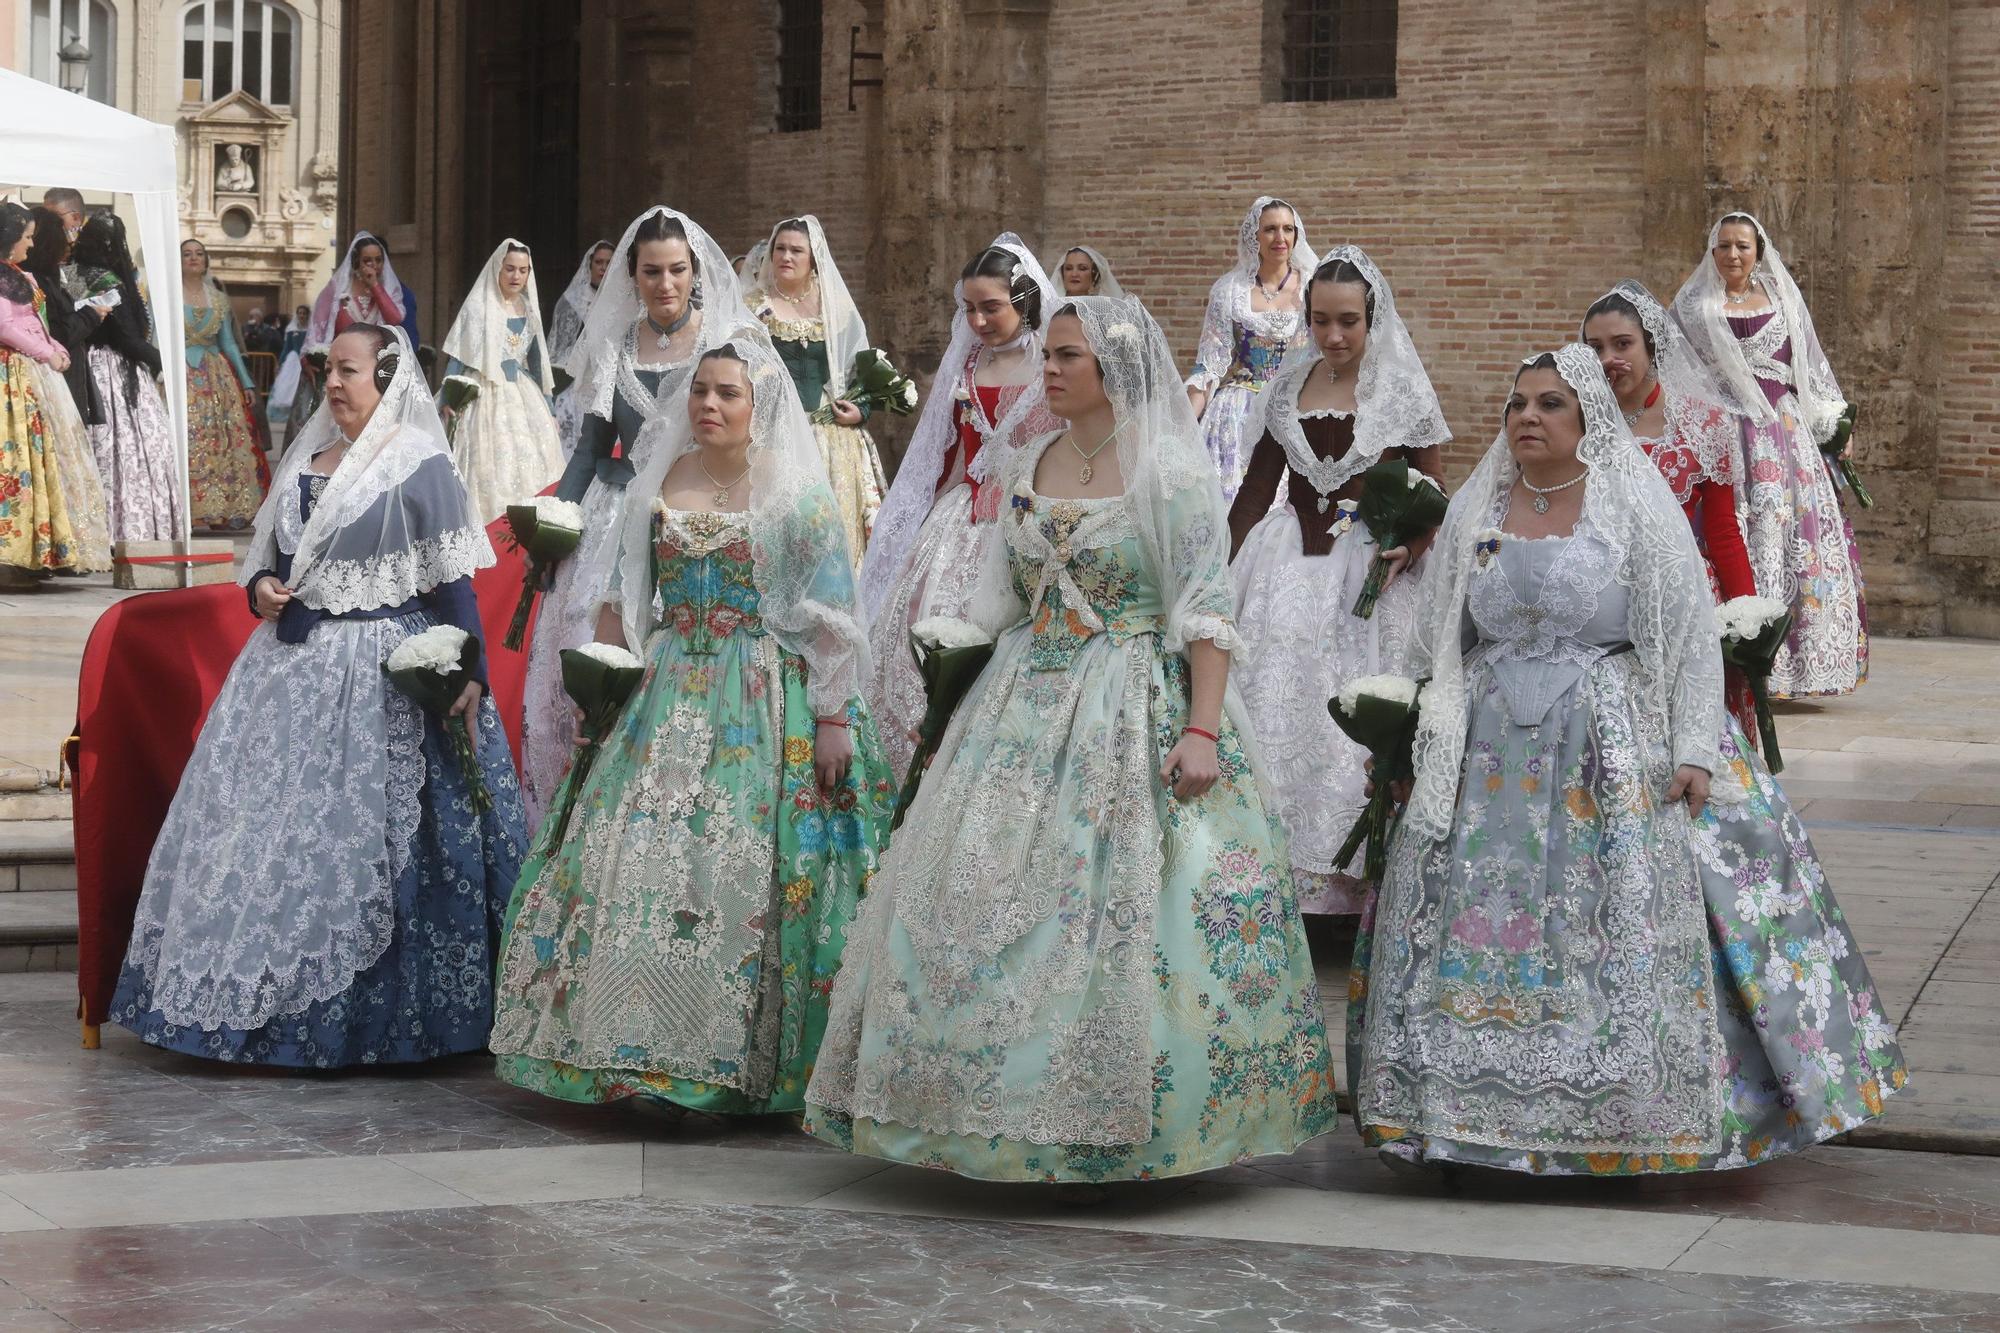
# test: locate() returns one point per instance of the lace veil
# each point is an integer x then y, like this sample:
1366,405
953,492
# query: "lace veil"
1394,403
326,309
1703,316
845,333
1107,285
804,574
1701,423
1627,505
909,499
1229,298
394,520
572,306
477,335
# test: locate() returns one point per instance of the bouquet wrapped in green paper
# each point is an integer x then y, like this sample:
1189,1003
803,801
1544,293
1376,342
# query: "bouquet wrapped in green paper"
433,668
601,678
1753,629
1379,713
1399,504
875,384
1834,451
453,395
950,655
546,530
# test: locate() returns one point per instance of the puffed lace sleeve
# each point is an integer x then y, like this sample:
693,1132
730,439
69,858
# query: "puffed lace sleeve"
1217,348
1201,595
805,590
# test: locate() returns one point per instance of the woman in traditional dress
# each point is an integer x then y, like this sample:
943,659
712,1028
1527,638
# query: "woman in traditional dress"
922,559
69,397
134,444
1354,396
739,802
225,483
1255,315
1082,270
1083,960
1744,317
364,289
572,308
1537,986
324,892
504,441
798,293
36,535
668,296
291,359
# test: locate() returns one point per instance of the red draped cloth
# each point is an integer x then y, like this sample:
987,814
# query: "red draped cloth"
152,667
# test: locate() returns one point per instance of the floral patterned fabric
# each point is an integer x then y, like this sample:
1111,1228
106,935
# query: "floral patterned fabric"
35,531
1543,990
682,940
278,730
225,485
68,444
1801,544
134,448
1065,972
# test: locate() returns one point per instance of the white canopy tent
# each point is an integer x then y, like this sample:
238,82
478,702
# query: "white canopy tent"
59,138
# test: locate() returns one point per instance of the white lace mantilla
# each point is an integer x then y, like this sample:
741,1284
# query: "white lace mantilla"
340,586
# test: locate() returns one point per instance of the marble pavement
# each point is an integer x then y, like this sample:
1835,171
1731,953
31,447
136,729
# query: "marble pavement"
140,1190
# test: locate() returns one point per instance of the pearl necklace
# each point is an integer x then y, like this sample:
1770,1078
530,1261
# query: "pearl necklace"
1542,493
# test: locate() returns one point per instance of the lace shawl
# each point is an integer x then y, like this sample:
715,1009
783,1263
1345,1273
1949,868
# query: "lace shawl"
478,336
572,306
1395,406
908,502
803,572
1702,436
1626,505
1229,300
1704,317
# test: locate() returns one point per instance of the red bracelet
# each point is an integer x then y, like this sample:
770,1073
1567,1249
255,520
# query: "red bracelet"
833,721
1192,730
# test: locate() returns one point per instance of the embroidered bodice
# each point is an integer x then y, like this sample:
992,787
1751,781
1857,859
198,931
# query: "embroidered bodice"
1545,610
1079,567
204,327
705,577
1767,348
970,416
1258,355
801,345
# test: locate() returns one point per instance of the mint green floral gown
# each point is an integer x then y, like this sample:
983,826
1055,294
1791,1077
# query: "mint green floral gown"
1065,973
683,939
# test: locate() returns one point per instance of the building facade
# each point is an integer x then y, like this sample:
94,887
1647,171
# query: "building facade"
251,86
1504,163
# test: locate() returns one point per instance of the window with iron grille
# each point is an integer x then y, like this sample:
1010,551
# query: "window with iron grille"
1336,50
798,64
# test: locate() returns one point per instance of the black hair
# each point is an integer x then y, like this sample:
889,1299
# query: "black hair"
364,239
14,223
1616,303
1747,221
380,338
1096,273
726,352
1023,291
660,227
1342,270
516,248
50,246
102,244
1546,361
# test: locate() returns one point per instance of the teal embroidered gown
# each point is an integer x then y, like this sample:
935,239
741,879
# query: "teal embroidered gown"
683,939
1065,973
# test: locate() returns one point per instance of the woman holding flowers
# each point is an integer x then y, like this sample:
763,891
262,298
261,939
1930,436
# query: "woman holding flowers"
679,940
1537,986
325,890
668,294
1746,321
1255,316
924,555
1357,396
1083,960
798,292
497,387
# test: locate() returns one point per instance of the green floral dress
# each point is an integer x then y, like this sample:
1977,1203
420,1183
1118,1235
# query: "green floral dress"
1066,973
683,939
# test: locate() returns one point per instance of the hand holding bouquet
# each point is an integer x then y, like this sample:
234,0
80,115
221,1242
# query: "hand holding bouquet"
453,396
1834,451
1753,629
1378,713
1399,504
434,668
875,385
950,655
547,530
600,677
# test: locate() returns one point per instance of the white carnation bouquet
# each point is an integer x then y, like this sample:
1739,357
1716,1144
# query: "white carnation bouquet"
547,531
433,668
1379,713
1753,629
601,678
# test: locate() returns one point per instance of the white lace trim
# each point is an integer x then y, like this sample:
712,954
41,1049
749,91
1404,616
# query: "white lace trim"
340,586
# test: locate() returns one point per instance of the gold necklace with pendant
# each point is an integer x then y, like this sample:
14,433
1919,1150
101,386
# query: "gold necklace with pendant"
1088,471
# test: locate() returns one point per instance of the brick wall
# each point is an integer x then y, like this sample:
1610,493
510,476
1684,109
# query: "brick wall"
1969,413
1500,191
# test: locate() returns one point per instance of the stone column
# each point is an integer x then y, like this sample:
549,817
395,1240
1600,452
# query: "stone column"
960,156
1826,119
